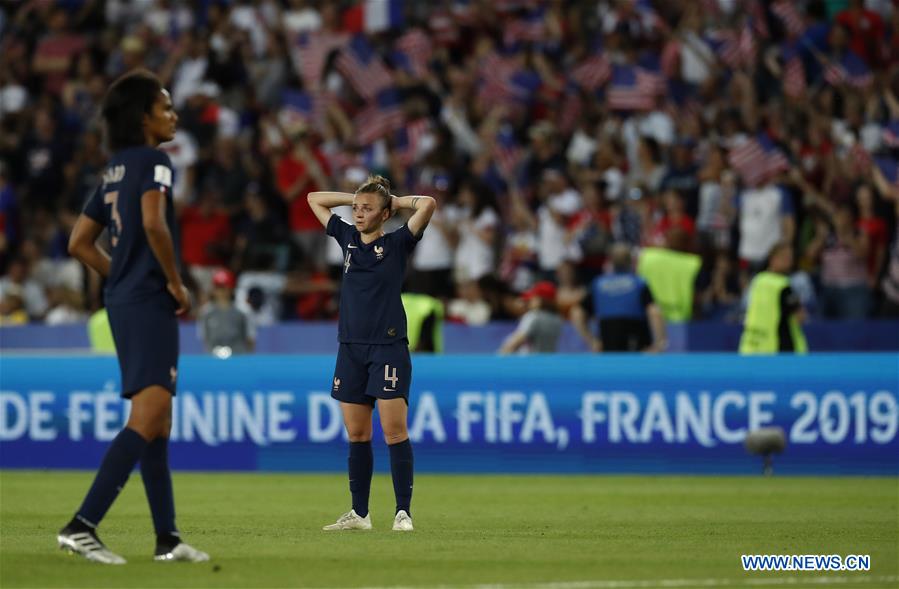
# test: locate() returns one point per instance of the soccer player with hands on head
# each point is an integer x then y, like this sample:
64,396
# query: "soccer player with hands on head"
373,362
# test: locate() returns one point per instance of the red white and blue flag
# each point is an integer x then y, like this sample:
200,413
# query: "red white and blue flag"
757,159
363,68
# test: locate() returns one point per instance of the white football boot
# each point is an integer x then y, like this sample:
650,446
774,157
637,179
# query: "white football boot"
183,552
350,521
88,545
402,522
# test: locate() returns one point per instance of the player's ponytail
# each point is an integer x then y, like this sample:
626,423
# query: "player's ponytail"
377,185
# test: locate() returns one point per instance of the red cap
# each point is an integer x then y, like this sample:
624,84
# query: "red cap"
223,279
545,290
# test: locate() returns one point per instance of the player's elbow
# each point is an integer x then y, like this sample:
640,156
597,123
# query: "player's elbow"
429,204
76,246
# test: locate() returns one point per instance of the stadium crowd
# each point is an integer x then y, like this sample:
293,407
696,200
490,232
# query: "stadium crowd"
548,130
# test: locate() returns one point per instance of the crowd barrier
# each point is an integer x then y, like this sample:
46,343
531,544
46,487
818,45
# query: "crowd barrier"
321,337
537,414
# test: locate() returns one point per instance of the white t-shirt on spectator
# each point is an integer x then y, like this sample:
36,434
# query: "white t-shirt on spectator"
333,251
272,285
761,220
434,251
302,21
474,257
187,79
695,56
552,248
182,150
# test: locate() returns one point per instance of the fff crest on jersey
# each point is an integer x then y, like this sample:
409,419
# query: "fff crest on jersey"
379,252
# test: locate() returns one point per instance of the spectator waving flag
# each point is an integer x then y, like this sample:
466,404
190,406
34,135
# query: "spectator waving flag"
382,116
297,106
592,73
309,52
633,88
789,15
416,46
529,28
848,69
507,152
571,108
504,81
793,77
363,68
757,160
413,140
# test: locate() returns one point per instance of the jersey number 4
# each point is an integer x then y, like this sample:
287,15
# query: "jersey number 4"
390,377
113,199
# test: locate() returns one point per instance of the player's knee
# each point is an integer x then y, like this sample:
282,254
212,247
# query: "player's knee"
359,435
396,436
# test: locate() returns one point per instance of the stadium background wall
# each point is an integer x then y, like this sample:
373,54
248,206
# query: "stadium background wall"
538,414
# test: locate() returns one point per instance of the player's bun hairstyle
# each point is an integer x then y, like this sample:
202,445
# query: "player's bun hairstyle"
377,185
124,106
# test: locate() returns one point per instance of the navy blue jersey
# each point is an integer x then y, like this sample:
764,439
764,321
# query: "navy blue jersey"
371,311
135,274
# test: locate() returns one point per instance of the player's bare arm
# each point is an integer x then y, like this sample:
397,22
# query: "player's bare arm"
83,245
152,204
424,207
322,203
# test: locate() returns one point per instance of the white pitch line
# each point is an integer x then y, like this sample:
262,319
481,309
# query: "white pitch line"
668,583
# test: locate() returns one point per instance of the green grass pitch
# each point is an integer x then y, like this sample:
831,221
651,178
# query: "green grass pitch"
579,532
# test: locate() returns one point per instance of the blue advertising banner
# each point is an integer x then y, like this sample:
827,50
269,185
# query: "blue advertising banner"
536,414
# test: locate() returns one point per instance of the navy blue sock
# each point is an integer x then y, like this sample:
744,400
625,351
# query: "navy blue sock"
115,469
401,469
361,465
154,469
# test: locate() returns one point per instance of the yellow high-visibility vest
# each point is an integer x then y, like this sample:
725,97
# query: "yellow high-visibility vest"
671,276
760,328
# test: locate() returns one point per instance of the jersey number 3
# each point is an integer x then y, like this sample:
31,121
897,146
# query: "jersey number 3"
113,199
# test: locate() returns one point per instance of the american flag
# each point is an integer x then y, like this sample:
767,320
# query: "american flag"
531,27
734,48
633,88
416,46
507,152
794,83
570,109
757,159
848,69
891,134
309,51
758,19
593,72
790,16
363,68
382,116
410,140
503,82
296,106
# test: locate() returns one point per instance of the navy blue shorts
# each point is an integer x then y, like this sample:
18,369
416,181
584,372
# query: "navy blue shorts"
146,341
367,372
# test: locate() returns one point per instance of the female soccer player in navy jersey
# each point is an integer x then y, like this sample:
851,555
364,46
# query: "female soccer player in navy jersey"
144,294
373,364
